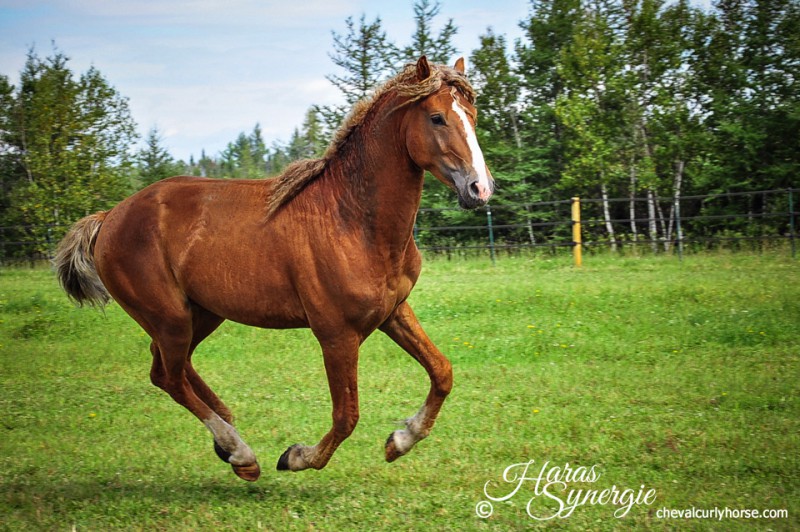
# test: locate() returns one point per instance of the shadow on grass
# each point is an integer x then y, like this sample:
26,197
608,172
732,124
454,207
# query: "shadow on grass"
115,503
165,491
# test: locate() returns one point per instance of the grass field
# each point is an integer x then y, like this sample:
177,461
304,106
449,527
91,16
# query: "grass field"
681,377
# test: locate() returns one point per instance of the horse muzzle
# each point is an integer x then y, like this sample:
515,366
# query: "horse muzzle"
472,192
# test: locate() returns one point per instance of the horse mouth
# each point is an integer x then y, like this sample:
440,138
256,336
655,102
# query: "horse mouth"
470,203
471,195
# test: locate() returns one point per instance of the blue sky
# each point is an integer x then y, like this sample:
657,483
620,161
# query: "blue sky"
203,71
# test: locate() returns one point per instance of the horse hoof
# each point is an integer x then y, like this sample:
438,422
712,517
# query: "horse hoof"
392,453
283,461
249,473
222,453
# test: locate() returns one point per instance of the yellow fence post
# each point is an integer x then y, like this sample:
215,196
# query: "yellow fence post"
576,232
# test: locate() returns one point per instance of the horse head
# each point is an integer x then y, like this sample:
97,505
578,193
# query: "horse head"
440,134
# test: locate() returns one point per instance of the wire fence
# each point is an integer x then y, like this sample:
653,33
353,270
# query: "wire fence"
738,221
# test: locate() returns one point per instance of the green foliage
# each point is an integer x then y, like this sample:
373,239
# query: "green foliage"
154,162
652,369
366,56
245,157
752,71
438,48
65,145
548,29
609,98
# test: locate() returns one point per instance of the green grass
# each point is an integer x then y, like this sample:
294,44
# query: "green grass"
679,376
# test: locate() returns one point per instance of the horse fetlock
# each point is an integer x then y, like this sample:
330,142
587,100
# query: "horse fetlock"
243,461
241,454
295,458
399,443
228,444
419,426
222,453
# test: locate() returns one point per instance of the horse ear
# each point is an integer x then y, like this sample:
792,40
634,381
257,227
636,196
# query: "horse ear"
460,65
423,69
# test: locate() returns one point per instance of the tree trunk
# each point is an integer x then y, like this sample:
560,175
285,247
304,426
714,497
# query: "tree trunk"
531,235
607,218
663,223
651,220
680,165
518,142
632,204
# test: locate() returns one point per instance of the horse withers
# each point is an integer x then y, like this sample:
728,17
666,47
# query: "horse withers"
327,245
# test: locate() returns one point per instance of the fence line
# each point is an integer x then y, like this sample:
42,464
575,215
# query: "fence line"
582,224
691,220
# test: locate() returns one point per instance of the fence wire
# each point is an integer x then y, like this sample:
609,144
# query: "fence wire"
660,225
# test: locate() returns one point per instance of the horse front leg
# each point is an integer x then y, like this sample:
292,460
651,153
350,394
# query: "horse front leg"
341,367
404,328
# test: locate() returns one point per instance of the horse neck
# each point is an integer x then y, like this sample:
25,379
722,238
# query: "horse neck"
382,185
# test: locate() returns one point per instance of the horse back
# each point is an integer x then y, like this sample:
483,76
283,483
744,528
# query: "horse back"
210,243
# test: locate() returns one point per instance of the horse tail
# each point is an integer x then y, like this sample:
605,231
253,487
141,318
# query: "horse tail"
74,262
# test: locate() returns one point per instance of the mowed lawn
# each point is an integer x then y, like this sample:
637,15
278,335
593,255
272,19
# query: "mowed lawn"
626,377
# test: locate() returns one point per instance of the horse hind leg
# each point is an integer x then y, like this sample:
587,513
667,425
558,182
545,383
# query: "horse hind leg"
203,324
146,288
172,372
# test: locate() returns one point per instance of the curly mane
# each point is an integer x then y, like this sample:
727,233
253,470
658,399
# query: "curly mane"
405,84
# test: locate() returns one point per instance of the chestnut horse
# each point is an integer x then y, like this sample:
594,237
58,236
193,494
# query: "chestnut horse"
327,245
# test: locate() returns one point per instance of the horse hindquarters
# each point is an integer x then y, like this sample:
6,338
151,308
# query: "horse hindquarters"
133,266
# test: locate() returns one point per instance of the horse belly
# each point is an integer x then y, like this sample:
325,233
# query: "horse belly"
253,303
243,281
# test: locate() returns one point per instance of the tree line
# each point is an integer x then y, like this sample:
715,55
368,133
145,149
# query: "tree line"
647,99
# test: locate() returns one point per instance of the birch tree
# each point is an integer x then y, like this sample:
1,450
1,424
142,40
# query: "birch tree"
589,111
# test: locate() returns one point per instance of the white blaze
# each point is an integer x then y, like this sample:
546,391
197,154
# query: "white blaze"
478,162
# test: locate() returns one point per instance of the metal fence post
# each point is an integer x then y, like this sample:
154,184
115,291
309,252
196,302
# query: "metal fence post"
577,251
491,233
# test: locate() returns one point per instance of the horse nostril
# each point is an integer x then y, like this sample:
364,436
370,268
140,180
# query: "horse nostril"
475,188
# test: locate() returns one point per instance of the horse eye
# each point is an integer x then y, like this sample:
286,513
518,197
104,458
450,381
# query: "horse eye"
438,120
